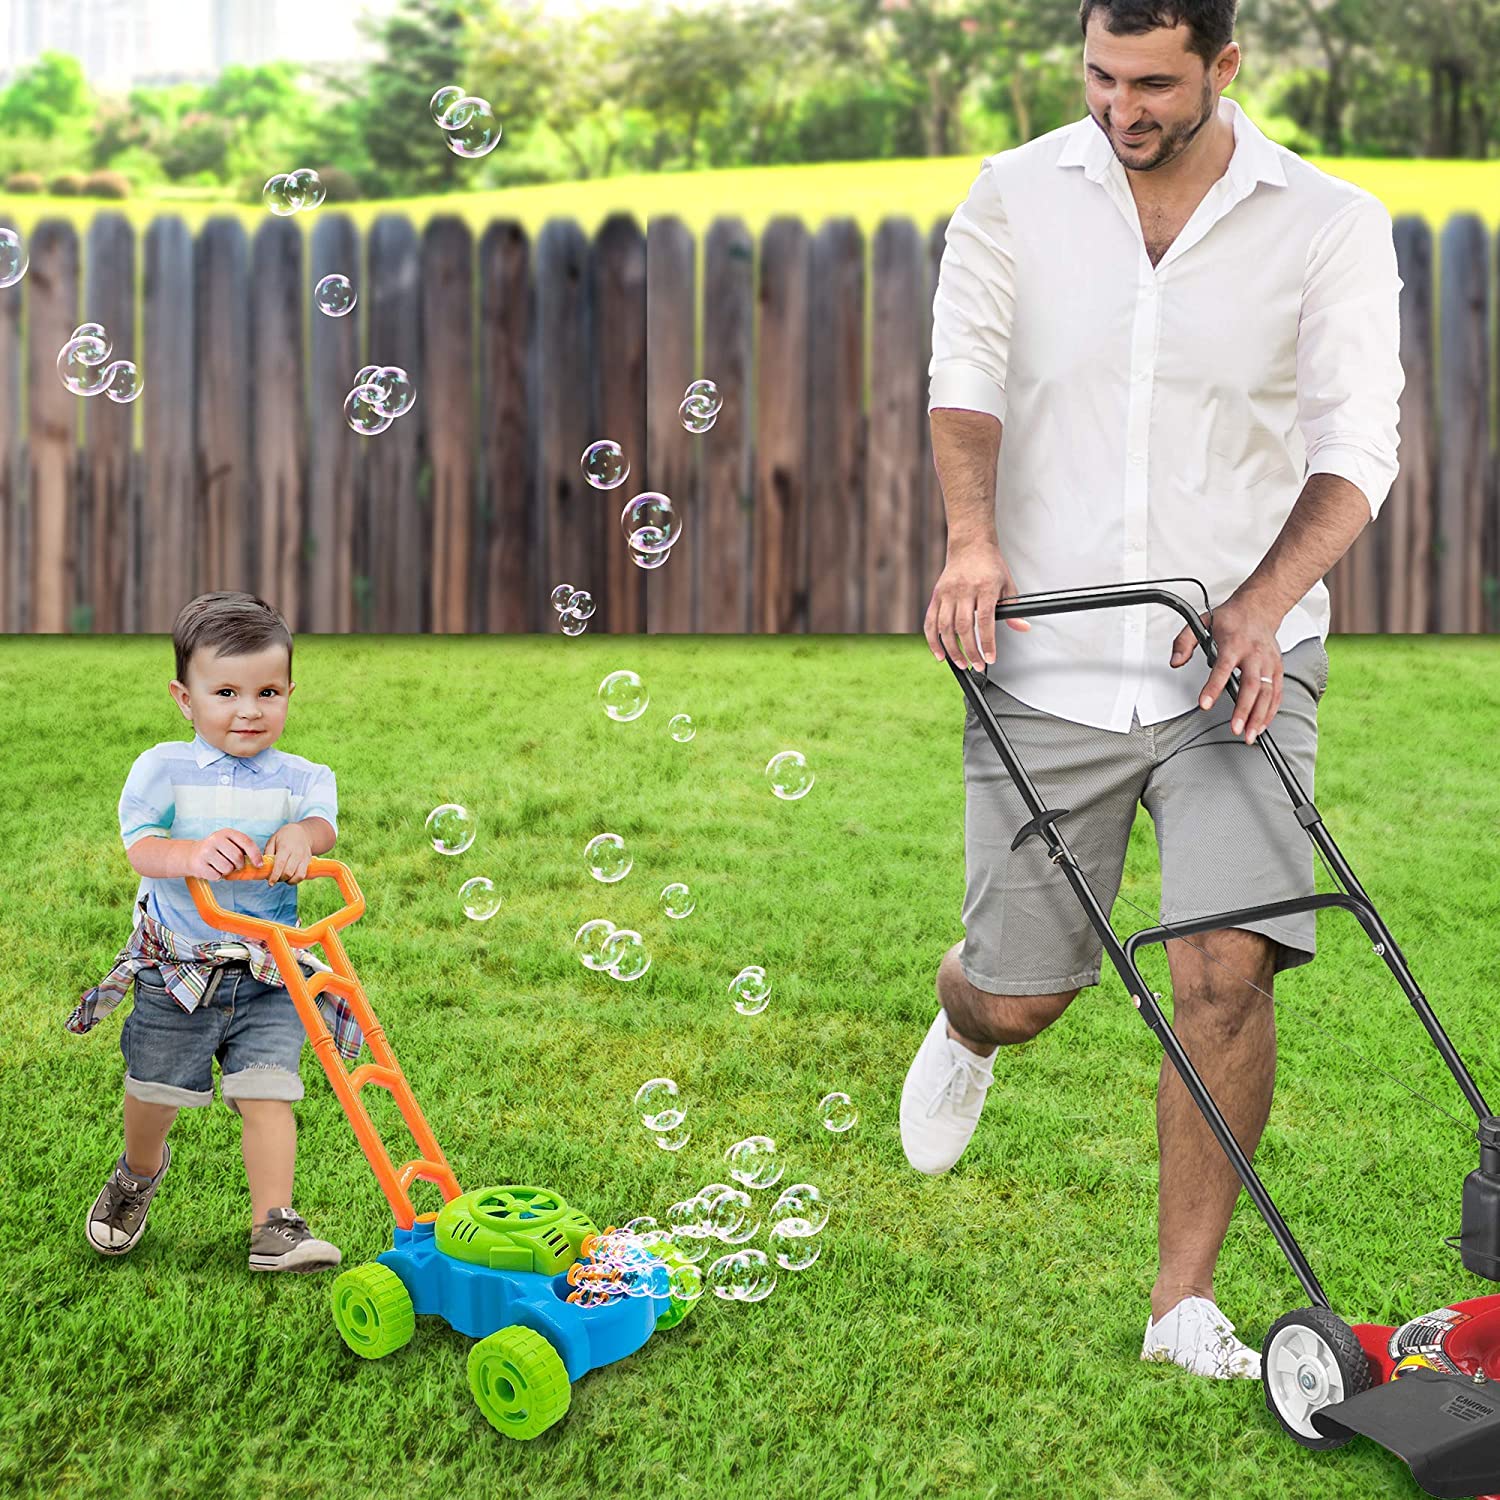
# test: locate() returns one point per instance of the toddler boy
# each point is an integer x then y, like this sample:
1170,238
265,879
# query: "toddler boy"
208,807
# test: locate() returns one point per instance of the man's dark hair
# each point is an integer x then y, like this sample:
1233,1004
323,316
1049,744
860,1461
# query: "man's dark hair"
233,624
1210,21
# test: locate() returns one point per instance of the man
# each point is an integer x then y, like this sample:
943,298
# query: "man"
1190,337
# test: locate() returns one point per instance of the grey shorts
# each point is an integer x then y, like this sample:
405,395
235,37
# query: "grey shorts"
252,1029
1226,833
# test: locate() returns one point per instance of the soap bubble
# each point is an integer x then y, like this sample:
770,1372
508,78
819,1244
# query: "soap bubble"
649,560
604,464
694,418
704,394
479,897
608,858
306,187
394,390
580,605
753,1162
837,1112
573,626
658,1097
788,775
81,365
13,257
744,1276
448,95
362,411
625,954
451,828
672,1140
685,1283
794,1252
677,901
685,1218
800,1210
589,940
124,382
751,990
639,1226
365,371
624,696
650,523
93,331
730,1215
561,595
278,196
682,728
470,127
335,295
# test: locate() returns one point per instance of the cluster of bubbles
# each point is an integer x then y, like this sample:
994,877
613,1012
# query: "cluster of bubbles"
381,394
620,952
334,295
452,827
291,192
620,1263
468,122
82,366
605,465
700,406
751,990
659,1103
652,528
575,607
13,257
728,1214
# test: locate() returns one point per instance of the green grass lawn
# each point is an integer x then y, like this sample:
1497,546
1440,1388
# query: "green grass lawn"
923,189
971,1335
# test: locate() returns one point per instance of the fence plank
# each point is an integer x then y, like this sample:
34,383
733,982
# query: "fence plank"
225,498
836,461
781,439
727,497
1463,402
935,515
52,479
1405,520
448,368
896,492
169,525
12,499
506,520
335,450
672,452
397,522
571,550
619,290
105,524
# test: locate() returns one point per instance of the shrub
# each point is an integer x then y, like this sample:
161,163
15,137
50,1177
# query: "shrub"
106,185
23,182
339,185
68,184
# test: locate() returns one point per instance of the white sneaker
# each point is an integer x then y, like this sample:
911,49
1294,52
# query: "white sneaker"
941,1099
1197,1336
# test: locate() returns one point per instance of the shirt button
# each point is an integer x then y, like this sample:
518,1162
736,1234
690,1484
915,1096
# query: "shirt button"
223,779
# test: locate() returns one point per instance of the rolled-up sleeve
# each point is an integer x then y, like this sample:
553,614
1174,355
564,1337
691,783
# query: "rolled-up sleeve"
1349,373
148,802
973,311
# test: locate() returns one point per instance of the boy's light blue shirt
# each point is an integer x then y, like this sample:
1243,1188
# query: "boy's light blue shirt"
187,789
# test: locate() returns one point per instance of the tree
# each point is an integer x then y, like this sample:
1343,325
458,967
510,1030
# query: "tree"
46,98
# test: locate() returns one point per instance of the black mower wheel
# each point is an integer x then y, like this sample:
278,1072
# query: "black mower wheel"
1311,1359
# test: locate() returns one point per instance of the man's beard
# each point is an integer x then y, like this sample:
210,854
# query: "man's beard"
1173,142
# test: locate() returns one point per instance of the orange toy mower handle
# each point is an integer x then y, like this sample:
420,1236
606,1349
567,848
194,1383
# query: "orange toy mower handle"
282,941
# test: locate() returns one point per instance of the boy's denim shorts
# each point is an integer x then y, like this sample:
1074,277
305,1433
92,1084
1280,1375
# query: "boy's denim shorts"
253,1029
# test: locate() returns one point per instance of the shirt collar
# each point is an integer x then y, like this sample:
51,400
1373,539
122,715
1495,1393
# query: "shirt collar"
1255,158
206,754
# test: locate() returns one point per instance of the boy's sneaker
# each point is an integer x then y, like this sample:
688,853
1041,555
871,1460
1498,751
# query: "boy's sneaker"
285,1243
118,1218
941,1100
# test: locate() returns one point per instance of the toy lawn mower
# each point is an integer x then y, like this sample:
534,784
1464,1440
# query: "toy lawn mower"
515,1267
1429,1391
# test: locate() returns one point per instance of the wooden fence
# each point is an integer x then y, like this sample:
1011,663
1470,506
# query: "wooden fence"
812,505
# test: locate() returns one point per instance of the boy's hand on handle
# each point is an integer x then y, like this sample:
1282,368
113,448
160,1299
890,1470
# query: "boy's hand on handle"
290,851
974,580
222,853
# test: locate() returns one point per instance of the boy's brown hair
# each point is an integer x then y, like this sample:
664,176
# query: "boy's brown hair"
234,624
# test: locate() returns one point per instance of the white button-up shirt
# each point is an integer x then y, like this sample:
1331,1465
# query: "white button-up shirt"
1160,421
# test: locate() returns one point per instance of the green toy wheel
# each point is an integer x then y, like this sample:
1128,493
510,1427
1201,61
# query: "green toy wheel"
372,1310
677,1308
519,1382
